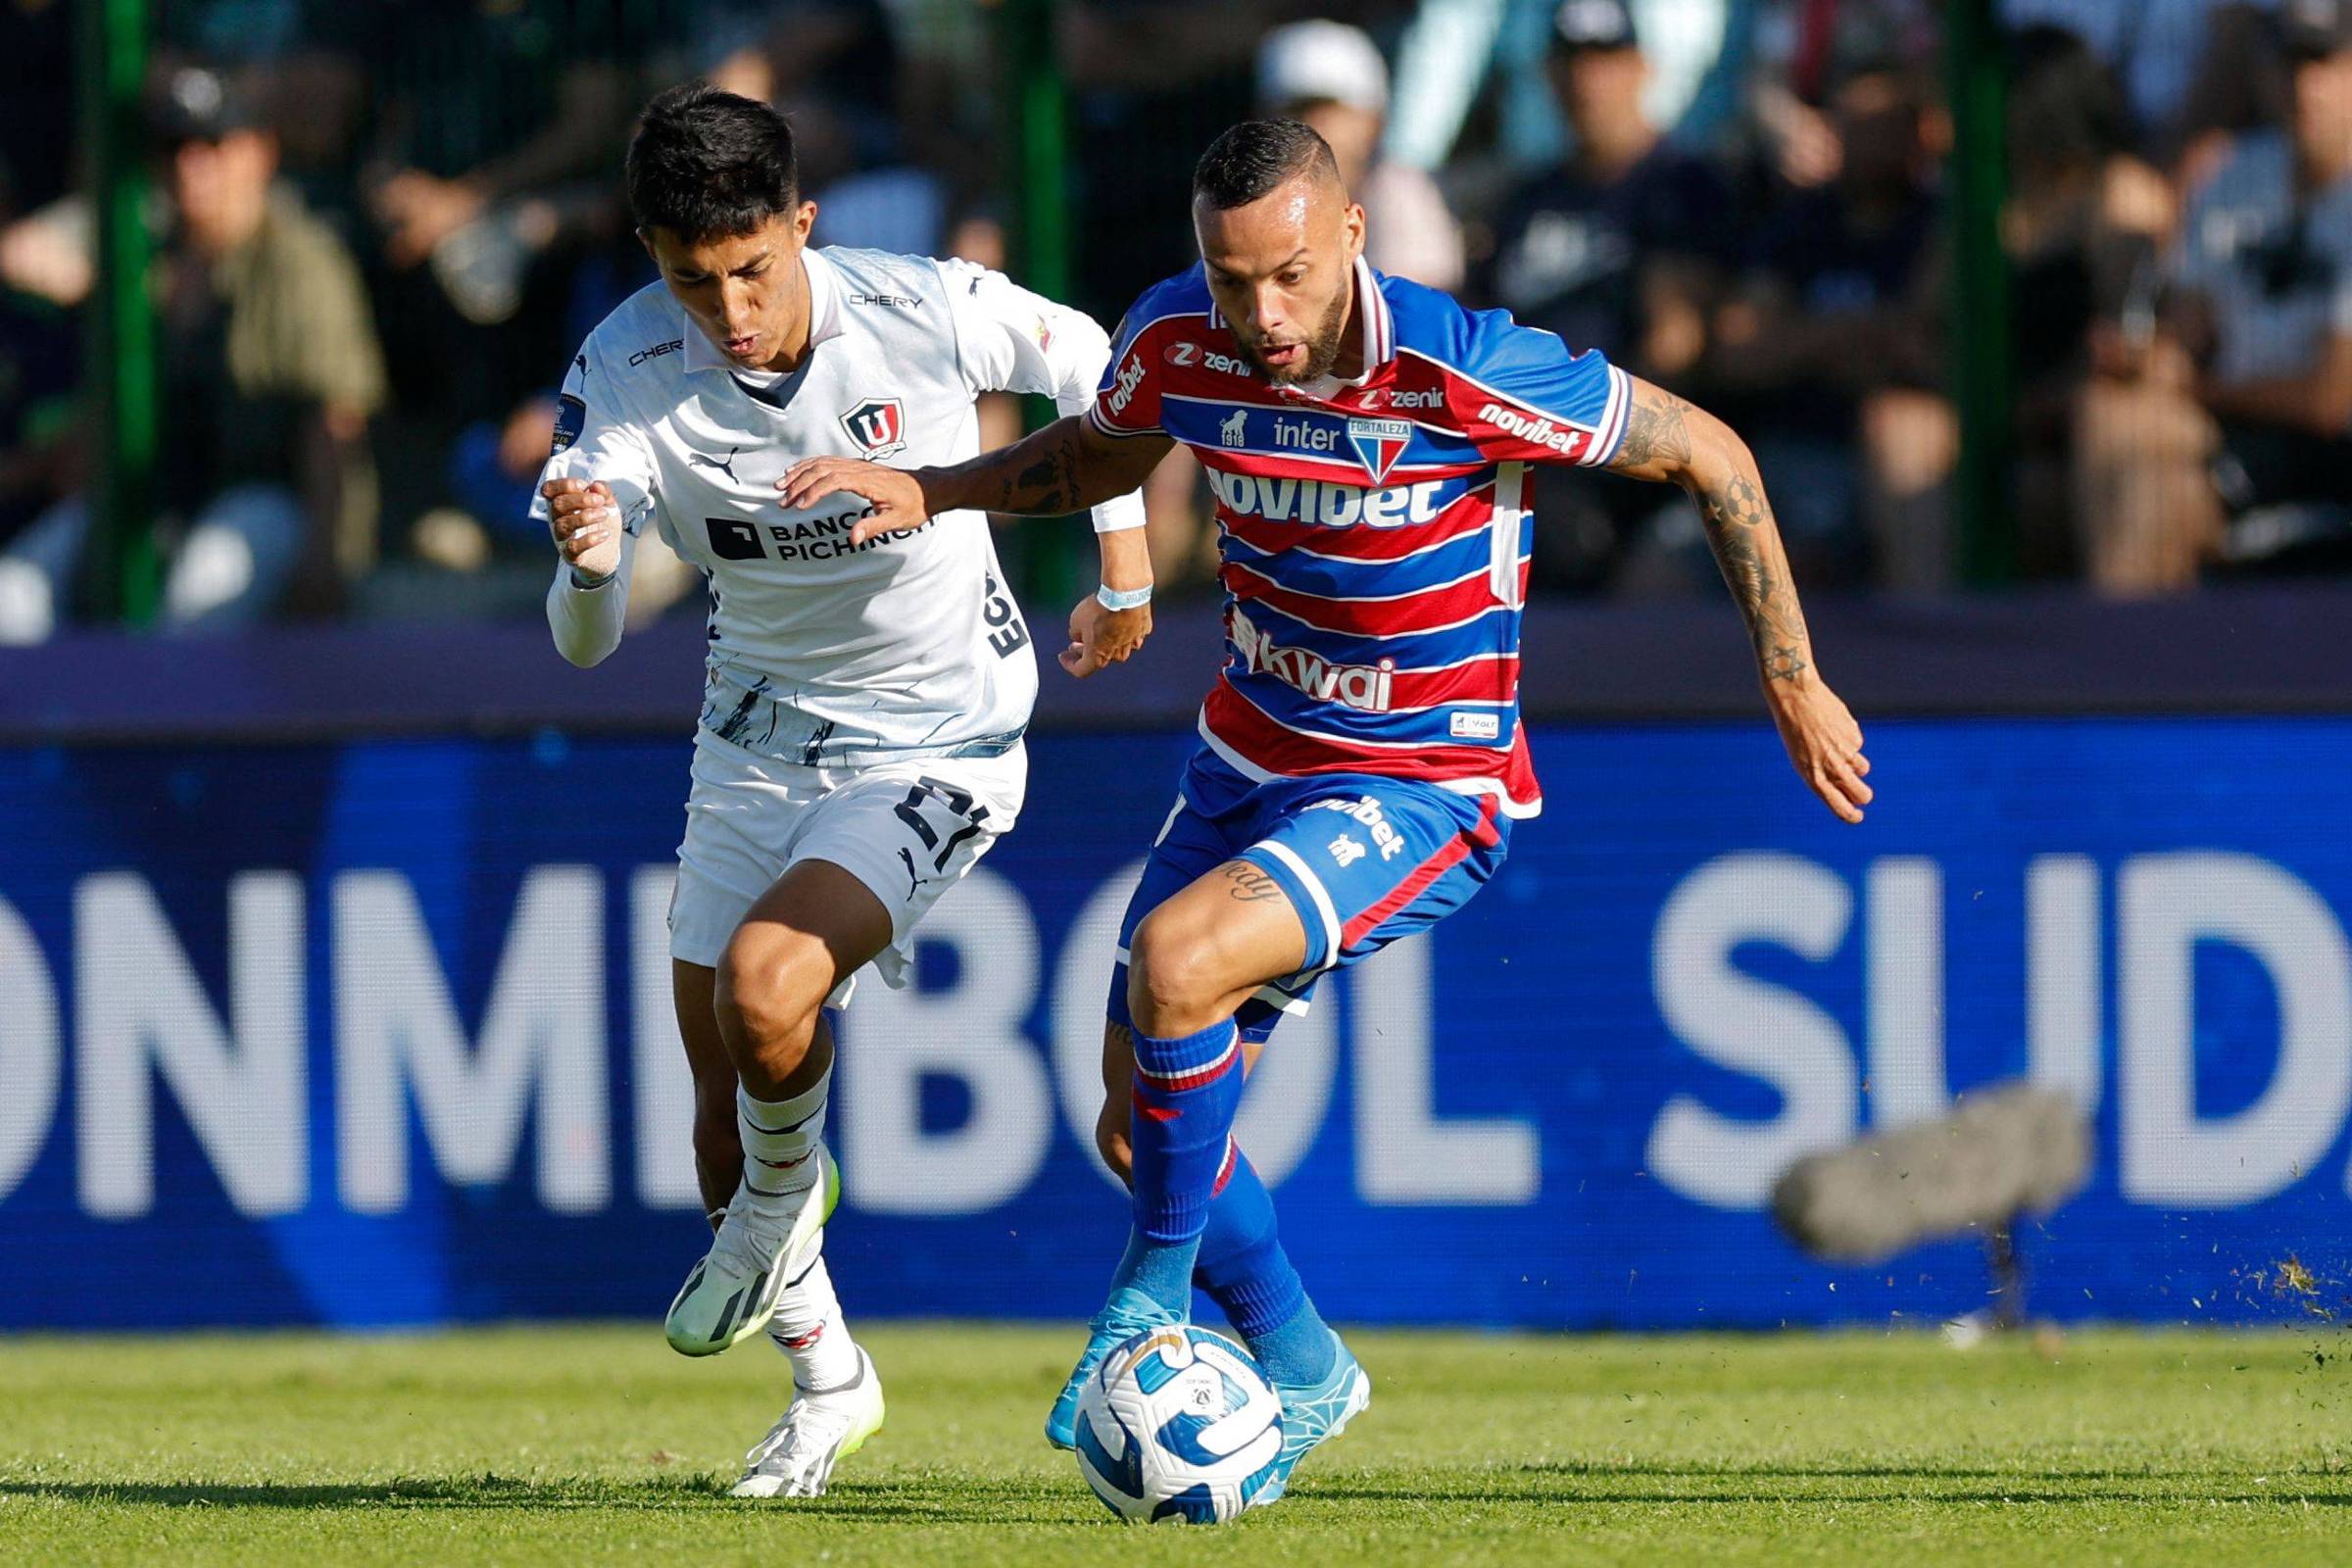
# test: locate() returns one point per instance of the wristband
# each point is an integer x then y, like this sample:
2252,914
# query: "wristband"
589,585
1124,598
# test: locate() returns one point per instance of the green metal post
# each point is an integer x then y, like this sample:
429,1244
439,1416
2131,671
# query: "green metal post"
120,371
1042,149
1982,366
1038,105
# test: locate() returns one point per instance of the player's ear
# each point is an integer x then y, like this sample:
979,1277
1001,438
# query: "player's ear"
804,219
1351,228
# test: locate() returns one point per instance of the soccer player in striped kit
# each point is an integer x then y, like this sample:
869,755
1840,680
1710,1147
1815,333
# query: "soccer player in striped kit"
1362,762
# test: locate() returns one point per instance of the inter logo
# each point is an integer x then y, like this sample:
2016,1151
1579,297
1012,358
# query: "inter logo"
878,427
1379,443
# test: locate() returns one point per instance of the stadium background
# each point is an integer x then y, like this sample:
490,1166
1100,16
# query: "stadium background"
330,974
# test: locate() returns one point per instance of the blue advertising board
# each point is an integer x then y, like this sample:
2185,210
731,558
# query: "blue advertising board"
377,1032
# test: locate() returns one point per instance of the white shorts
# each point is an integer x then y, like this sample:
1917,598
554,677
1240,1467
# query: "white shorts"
907,830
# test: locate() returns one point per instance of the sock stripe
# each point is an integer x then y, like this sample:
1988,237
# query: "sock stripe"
788,1127
1233,1156
1208,1072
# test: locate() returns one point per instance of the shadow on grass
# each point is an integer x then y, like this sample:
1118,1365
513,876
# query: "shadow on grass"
966,1500
488,1491
947,1500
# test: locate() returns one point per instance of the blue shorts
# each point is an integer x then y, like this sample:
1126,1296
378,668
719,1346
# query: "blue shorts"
1364,860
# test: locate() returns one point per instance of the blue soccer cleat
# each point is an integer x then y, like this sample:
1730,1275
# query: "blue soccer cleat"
1316,1412
1126,1314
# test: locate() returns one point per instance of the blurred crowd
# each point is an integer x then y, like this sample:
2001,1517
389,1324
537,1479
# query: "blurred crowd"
380,226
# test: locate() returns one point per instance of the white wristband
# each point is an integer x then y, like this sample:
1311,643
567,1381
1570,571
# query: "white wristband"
1124,598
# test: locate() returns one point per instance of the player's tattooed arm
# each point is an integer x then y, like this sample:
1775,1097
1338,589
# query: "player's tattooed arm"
1067,466
1669,441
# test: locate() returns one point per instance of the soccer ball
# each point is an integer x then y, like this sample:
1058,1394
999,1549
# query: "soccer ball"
1178,1423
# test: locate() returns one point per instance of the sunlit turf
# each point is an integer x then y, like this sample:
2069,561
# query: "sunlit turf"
592,1444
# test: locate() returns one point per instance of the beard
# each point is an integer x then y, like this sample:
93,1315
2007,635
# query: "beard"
1322,348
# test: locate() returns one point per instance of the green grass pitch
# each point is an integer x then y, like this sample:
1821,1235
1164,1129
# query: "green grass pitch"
592,1444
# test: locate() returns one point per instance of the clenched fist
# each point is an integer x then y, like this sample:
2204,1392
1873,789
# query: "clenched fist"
585,520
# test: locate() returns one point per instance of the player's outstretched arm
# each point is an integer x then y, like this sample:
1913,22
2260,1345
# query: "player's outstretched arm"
1669,441
1068,465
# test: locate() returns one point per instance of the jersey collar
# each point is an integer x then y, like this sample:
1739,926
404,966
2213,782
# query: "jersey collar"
824,315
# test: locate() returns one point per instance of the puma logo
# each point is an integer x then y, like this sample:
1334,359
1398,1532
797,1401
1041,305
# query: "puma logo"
725,465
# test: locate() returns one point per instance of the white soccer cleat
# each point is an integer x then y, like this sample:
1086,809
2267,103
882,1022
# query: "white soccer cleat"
732,1292
796,1459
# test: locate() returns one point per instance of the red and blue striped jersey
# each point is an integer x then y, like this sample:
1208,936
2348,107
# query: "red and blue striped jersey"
1374,534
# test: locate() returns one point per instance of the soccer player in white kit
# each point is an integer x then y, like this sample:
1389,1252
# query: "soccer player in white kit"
860,746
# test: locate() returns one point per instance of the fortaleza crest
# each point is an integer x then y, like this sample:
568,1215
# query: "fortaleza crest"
878,425
1379,443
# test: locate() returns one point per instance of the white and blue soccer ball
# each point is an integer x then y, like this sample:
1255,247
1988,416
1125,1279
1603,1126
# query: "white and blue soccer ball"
1178,1423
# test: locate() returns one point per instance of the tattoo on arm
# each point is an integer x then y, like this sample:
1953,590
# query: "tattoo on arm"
1748,548
1659,445
1247,884
1656,433
1049,483
1049,474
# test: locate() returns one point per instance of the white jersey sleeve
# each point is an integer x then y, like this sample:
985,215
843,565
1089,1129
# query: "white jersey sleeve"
595,440
1010,340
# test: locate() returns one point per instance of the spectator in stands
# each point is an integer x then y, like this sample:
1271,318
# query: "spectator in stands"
2265,273
268,370
1619,248
1802,48
2086,227
38,372
2164,54
1332,76
1832,351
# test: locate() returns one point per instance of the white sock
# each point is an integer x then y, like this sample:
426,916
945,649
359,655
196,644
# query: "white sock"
781,1163
809,1329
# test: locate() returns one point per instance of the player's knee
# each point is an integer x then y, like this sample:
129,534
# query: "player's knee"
1172,983
772,987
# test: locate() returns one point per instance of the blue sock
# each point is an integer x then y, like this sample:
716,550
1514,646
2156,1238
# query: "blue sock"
1244,1270
1187,1089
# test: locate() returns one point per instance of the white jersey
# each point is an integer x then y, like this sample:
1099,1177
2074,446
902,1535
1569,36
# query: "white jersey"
821,653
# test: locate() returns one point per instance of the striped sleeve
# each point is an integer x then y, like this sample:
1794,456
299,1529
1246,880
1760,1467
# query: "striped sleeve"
1524,397
1127,403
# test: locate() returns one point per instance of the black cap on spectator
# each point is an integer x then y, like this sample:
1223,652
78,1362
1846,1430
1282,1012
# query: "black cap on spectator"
1592,24
196,103
2314,30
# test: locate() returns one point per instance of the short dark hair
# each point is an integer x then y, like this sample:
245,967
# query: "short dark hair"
707,164
1256,156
